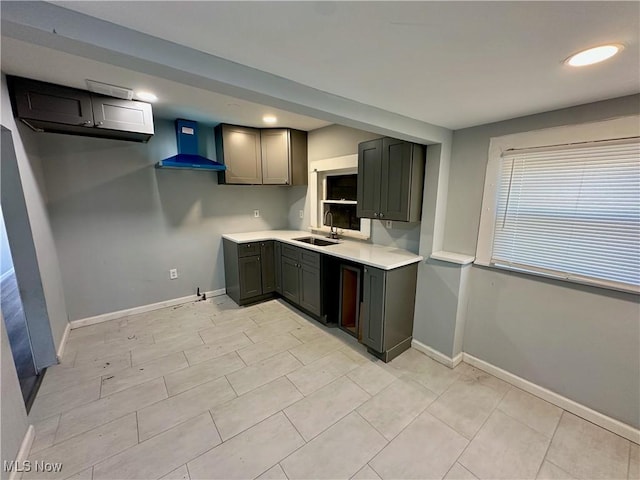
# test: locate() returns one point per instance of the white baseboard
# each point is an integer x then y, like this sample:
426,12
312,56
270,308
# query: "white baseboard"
23,453
63,342
7,274
436,355
611,424
105,317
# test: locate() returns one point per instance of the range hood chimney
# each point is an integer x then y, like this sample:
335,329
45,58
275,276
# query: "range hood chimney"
188,157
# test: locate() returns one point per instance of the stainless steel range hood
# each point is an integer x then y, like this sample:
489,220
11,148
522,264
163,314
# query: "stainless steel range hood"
188,157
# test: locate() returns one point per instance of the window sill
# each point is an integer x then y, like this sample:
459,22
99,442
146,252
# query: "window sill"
452,257
565,278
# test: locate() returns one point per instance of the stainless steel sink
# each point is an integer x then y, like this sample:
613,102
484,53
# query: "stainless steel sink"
316,241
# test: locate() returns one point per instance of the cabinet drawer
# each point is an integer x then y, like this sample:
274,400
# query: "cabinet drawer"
291,252
247,249
310,258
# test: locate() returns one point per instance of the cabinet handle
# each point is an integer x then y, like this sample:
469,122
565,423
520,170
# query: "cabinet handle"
366,270
100,124
248,245
375,214
88,123
381,214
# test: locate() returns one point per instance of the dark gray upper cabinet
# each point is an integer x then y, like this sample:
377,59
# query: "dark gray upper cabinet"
54,108
51,103
390,179
273,156
369,167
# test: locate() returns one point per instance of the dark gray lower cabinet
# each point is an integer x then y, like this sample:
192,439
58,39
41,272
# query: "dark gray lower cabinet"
249,271
310,289
250,276
257,271
268,266
291,279
388,304
301,278
373,308
277,260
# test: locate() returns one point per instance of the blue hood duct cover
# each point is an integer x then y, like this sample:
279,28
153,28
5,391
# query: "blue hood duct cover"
188,157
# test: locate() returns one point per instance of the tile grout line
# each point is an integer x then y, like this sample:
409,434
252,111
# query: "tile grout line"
457,460
544,457
628,461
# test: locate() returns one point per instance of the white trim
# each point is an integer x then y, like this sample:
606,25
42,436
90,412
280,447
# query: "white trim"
7,274
620,127
436,355
23,453
611,424
452,257
63,342
105,317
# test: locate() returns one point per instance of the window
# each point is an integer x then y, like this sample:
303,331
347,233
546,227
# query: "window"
569,211
340,199
333,187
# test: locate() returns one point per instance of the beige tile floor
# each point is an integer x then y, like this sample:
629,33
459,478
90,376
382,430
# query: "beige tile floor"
211,390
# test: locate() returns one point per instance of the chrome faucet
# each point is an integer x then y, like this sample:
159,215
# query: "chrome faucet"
332,234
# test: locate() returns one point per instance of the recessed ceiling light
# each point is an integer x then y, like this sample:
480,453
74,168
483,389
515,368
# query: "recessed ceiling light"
593,55
269,119
146,96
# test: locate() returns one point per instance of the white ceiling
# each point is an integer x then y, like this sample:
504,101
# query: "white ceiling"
453,64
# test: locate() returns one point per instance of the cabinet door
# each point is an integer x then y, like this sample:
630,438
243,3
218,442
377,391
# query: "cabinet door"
241,155
369,161
277,260
395,190
118,114
267,258
373,305
51,103
310,288
291,279
275,156
250,276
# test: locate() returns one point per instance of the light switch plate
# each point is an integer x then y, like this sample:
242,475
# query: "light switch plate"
301,213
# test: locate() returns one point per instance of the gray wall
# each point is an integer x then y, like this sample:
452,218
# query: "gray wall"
120,224
581,342
12,412
336,141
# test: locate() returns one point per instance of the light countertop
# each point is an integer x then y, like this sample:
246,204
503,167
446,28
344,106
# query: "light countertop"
386,258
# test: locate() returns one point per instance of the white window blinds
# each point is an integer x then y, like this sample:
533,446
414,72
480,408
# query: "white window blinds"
572,212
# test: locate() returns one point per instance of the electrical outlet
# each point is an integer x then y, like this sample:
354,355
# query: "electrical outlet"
173,274
256,213
389,224
301,213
